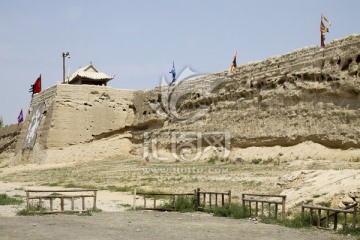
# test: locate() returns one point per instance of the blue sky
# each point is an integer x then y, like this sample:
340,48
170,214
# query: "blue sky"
138,40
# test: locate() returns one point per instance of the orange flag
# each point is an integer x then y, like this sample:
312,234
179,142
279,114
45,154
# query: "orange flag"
323,29
233,65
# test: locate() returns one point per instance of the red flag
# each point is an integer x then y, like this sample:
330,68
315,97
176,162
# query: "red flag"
323,30
20,117
37,85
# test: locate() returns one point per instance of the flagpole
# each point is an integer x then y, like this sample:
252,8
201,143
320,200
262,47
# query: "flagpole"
64,55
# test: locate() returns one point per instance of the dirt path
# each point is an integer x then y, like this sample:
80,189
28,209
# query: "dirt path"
149,225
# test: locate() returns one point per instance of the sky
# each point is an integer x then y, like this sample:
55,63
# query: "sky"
137,41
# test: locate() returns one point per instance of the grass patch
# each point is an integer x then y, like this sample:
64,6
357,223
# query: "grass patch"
225,160
212,160
85,186
355,159
256,161
39,209
51,184
316,195
113,188
324,204
32,210
251,183
233,210
182,204
55,194
352,231
6,200
71,185
268,161
298,221
236,211
125,205
88,212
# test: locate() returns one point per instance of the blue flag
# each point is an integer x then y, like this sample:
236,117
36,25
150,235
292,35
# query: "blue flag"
20,117
173,73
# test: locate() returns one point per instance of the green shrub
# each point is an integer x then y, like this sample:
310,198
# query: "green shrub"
355,159
351,231
324,204
224,159
298,221
71,185
233,210
125,205
236,211
55,194
119,189
182,204
221,211
6,200
256,161
212,160
269,160
32,210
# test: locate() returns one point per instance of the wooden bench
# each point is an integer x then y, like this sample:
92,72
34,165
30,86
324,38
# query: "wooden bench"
153,196
264,198
62,198
335,214
218,196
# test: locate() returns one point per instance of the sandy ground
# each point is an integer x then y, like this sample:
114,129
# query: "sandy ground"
305,150
300,180
149,225
284,171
